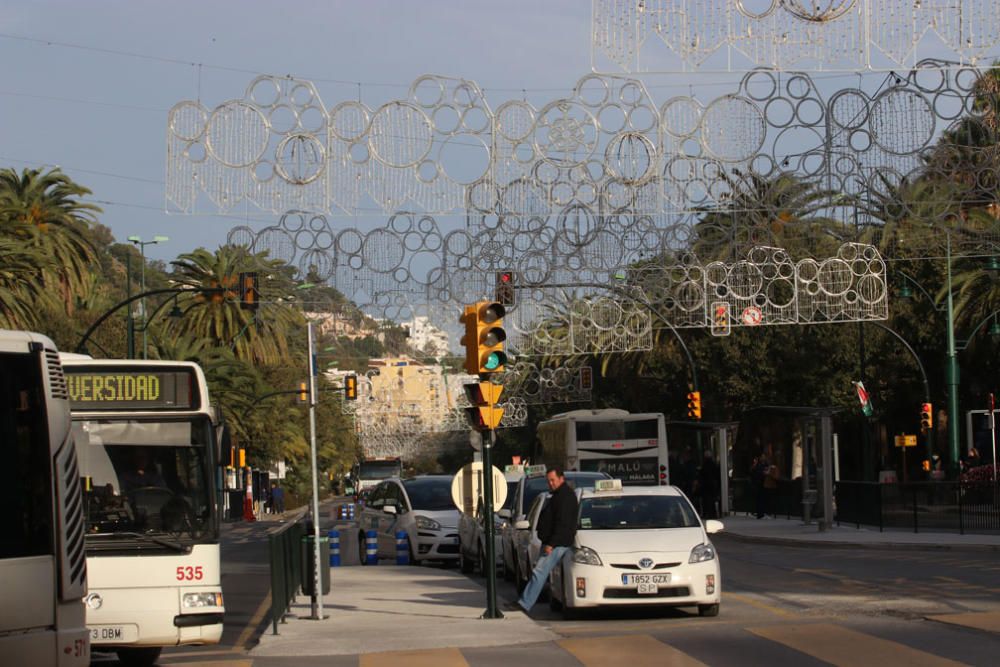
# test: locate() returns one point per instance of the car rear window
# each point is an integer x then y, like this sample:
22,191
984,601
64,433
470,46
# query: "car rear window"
636,512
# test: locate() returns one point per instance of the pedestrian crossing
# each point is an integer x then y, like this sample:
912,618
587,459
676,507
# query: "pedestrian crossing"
800,643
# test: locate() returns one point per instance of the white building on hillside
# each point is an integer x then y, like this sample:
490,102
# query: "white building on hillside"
427,338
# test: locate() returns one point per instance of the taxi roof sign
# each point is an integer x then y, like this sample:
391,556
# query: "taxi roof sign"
607,485
538,469
513,467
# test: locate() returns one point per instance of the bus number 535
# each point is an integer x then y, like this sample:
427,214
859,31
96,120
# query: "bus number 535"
189,573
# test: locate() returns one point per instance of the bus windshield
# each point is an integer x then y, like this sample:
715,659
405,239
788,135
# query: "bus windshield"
379,469
147,478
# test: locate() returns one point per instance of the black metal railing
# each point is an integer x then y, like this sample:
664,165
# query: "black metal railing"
286,574
963,507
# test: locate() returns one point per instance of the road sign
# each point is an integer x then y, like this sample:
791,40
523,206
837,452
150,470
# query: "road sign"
752,316
906,441
466,487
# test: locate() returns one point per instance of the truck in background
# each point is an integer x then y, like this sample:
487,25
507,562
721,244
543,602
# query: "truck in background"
367,473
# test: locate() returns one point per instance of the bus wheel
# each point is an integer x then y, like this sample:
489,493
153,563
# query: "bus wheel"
145,656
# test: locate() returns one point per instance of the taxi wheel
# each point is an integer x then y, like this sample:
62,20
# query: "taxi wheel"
139,657
362,556
554,604
482,561
466,564
508,573
520,581
708,610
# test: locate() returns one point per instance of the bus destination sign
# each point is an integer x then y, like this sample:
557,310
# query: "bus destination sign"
129,389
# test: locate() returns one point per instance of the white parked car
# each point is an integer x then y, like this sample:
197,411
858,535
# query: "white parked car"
518,528
471,532
421,506
639,546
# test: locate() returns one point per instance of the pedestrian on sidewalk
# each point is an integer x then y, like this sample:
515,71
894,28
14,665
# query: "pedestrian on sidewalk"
758,470
277,498
708,486
556,531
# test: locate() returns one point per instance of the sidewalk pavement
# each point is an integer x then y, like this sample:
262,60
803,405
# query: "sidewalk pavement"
794,532
377,608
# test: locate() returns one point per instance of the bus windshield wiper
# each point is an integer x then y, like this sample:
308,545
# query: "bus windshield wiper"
176,546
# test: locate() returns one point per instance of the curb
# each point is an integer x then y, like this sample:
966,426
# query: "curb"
910,546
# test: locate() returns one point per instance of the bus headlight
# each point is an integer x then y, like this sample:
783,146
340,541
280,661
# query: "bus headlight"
193,600
702,553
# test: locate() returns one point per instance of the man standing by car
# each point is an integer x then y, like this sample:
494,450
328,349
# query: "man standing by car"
556,531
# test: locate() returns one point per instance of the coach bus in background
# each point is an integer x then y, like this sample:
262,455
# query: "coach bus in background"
43,569
146,442
629,447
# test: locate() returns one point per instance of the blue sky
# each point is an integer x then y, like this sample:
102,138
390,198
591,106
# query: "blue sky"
101,114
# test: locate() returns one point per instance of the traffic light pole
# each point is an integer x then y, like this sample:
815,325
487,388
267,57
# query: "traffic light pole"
489,562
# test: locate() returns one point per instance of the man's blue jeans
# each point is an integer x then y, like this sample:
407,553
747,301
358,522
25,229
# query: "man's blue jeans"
539,576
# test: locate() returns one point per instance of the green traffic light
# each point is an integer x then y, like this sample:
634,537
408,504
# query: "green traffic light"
493,361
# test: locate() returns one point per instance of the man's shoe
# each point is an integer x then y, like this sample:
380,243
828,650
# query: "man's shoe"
512,606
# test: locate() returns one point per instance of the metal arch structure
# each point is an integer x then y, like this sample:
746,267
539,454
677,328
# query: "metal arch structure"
699,203
734,35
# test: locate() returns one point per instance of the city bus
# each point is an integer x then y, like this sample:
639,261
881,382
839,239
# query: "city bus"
146,442
629,447
42,562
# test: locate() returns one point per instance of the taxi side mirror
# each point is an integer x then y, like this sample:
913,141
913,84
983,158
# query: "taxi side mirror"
522,525
712,526
389,509
504,514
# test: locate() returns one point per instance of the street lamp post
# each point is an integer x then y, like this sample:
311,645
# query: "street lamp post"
142,251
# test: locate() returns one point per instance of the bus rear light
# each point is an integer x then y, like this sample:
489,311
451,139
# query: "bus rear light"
192,600
581,587
663,468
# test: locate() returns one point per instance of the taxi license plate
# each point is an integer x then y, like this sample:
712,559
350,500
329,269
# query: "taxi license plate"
641,580
113,634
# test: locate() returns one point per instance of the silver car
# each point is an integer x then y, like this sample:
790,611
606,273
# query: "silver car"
472,533
421,507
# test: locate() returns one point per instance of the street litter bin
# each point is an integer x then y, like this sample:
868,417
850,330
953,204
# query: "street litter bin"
308,549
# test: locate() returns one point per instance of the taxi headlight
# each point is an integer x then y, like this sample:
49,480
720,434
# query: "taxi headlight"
702,553
192,600
423,523
586,556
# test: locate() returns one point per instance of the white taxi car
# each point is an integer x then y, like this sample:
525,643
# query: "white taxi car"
420,506
641,545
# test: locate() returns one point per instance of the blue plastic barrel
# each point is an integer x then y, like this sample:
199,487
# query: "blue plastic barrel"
334,536
402,548
371,548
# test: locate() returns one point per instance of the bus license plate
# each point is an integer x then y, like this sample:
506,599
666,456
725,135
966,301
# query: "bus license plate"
645,579
113,634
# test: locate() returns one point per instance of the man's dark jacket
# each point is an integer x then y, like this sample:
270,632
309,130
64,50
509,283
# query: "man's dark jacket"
557,522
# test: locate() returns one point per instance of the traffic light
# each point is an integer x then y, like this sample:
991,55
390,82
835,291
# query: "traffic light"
720,319
694,404
926,418
926,465
485,414
350,387
303,395
249,290
484,338
504,284
243,458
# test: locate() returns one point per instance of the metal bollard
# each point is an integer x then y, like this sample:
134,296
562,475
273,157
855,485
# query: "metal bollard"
334,536
371,547
402,548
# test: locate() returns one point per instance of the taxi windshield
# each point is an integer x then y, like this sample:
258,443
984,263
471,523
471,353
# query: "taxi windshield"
636,512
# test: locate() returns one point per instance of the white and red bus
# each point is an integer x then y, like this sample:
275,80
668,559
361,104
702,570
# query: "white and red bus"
145,440
629,447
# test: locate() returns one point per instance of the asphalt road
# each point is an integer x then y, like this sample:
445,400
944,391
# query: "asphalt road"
781,605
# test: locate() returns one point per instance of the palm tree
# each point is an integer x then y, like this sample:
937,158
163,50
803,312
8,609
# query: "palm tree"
43,210
260,336
19,288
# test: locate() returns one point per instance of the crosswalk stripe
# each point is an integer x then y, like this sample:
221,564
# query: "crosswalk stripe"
436,657
989,620
626,651
842,646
